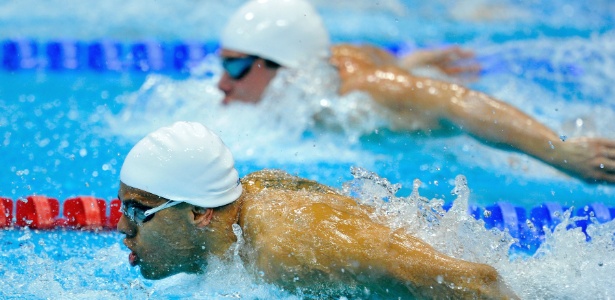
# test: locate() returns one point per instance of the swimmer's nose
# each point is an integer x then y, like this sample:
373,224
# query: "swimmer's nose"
126,227
225,85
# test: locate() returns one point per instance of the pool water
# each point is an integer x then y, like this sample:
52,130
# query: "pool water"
65,133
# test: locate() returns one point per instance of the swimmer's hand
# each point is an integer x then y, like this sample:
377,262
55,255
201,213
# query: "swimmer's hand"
452,61
591,159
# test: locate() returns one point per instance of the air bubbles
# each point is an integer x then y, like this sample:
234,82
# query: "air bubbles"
22,172
27,98
44,142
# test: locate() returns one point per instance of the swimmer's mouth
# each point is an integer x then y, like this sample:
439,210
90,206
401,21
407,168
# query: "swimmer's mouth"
133,259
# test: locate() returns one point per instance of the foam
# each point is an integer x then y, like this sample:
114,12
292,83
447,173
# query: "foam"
73,265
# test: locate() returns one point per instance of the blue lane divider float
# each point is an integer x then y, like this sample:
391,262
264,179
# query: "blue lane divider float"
596,212
103,55
515,62
155,56
512,60
19,54
529,228
61,55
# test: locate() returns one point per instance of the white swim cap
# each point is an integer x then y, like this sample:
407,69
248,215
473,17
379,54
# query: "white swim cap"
288,32
184,162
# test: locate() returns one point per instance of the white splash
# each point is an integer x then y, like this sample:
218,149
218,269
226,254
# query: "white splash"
566,266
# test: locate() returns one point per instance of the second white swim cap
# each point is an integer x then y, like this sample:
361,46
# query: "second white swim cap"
184,162
288,32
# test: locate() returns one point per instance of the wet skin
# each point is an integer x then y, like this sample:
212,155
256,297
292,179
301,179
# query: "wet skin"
431,106
301,235
251,87
156,245
425,104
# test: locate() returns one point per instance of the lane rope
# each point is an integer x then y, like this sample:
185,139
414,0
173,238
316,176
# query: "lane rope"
95,214
150,56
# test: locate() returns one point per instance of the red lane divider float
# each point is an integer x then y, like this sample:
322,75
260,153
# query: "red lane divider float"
114,213
41,212
6,212
37,212
85,212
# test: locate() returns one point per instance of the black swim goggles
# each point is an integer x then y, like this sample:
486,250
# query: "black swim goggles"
238,67
140,215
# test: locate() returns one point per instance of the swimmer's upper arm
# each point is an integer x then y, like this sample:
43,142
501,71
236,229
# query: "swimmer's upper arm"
307,241
317,240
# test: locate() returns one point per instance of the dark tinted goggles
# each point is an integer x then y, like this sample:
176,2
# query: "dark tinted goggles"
238,67
140,215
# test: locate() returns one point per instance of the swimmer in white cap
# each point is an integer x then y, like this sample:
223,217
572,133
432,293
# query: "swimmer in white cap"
181,198
264,35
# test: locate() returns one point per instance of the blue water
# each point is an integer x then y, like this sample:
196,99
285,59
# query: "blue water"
51,121
65,133
54,140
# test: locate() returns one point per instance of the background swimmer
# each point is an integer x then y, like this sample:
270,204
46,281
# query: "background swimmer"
263,35
182,203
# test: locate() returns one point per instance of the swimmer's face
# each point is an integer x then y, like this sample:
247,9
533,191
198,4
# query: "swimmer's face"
164,244
247,86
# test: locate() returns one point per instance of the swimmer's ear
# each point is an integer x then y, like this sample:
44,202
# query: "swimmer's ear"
202,216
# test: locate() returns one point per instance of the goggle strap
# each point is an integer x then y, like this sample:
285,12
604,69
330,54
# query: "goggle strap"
161,207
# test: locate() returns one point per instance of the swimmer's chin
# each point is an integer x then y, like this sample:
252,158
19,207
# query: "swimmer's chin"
159,275
230,99
150,274
155,275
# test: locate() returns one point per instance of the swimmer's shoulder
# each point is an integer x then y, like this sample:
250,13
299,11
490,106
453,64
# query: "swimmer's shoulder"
267,188
278,180
363,54
273,201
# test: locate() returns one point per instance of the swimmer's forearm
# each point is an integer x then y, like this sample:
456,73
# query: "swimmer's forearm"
488,119
502,125
433,273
